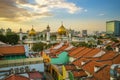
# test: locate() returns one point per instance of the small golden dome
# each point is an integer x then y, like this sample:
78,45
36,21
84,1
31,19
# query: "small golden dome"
62,30
32,32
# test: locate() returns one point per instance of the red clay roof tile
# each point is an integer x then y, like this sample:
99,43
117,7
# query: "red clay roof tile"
16,77
89,66
103,73
35,75
83,52
70,67
11,50
108,55
93,52
79,73
75,51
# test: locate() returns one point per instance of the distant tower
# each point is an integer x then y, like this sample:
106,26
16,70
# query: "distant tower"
48,33
70,35
84,33
20,35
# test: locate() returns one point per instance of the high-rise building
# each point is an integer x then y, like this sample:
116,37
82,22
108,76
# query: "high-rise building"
48,33
113,27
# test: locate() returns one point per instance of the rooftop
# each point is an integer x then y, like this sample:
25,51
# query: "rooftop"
16,77
12,50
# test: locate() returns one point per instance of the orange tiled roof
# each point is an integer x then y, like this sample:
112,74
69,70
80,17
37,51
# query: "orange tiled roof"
90,78
71,49
89,66
61,49
77,62
79,73
75,51
16,77
35,75
70,67
83,52
93,52
11,50
103,73
108,62
108,55
114,60
58,51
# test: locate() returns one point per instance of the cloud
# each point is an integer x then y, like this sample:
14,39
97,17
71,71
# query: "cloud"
101,14
59,4
85,10
20,10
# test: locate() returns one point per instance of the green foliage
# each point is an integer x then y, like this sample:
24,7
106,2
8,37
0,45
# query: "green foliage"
2,38
39,46
53,37
115,40
99,42
109,48
83,44
71,76
100,37
24,37
10,38
95,37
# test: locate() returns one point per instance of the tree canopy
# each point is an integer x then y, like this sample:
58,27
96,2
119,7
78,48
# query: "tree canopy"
10,38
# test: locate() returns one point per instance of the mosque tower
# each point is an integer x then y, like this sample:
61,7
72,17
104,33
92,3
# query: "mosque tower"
20,35
48,33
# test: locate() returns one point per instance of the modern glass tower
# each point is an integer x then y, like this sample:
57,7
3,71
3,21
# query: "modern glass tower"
113,27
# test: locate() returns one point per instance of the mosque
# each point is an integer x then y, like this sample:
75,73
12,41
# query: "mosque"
34,37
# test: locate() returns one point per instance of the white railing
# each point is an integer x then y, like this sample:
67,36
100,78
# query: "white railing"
6,63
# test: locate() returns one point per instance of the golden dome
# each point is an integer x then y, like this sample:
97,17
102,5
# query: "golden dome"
32,32
62,30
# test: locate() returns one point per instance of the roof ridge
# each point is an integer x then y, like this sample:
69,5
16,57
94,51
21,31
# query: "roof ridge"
86,63
101,68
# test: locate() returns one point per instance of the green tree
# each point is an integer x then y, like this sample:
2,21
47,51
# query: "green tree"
12,38
115,40
109,48
24,37
39,47
100,37
71,76
99,42
53,37
2,38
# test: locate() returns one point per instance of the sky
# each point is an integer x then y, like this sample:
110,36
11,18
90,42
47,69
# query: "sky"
75,14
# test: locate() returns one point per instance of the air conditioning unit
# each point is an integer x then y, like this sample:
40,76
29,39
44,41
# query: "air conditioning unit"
22,70
12,71
27,69
17,70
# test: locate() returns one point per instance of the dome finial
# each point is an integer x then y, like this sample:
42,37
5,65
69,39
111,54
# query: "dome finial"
61,22
62,30
32,31
32,26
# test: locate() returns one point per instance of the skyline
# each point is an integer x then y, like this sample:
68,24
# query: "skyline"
75,14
